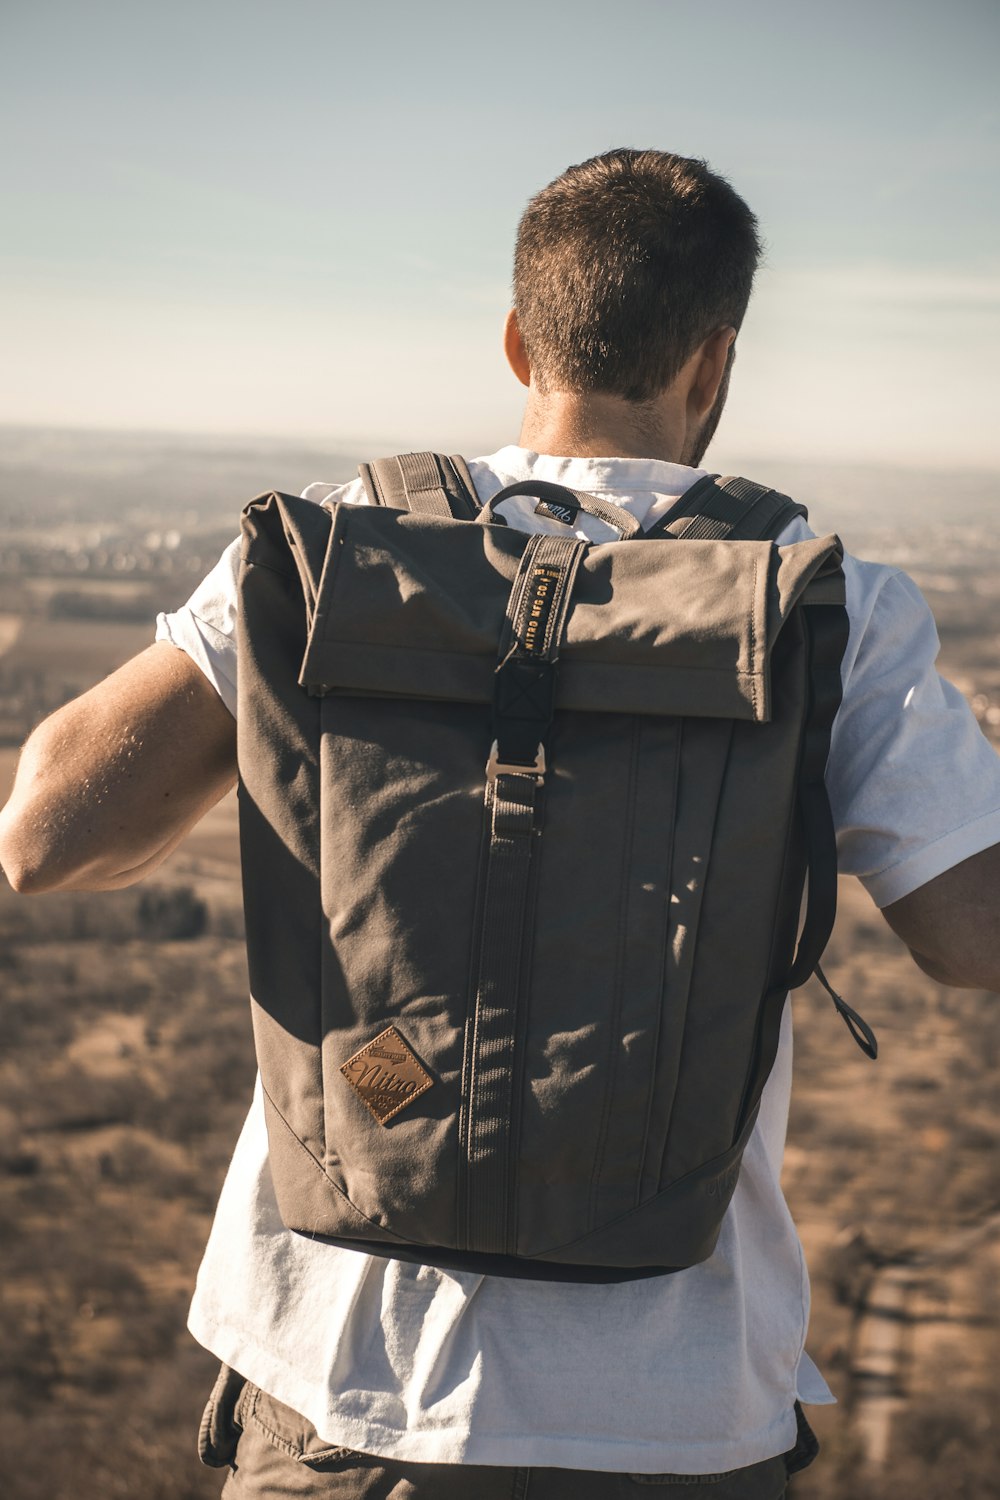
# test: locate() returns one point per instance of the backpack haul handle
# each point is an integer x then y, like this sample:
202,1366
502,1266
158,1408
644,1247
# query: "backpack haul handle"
559,503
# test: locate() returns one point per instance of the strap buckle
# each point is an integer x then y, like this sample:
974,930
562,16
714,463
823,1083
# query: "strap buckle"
496,767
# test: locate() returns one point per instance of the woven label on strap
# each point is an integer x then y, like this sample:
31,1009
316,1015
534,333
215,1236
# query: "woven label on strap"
539,597
553,512
386,1075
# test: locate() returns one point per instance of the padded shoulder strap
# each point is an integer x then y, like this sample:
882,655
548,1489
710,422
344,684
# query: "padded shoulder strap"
429,483
732,509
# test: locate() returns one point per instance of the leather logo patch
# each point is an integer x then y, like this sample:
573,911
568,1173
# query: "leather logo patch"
386,1075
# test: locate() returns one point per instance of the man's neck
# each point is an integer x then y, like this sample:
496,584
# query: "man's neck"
600,426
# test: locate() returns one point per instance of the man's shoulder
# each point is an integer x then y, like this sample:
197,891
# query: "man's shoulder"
351,493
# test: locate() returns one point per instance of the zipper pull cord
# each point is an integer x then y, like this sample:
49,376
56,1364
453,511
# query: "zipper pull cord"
856,1025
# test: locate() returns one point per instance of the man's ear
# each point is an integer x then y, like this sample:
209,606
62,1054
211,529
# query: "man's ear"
708,368
513,347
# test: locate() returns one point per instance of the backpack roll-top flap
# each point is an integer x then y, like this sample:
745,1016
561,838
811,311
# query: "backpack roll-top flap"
659,628
277,527
809,572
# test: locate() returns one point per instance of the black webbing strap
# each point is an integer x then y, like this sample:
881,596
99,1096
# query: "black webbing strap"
715,509
523,699
525,678
827,626
430,484
827,629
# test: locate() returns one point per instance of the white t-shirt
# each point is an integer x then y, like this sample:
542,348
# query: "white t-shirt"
691,1373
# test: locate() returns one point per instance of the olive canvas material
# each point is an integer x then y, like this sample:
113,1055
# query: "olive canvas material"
518,1017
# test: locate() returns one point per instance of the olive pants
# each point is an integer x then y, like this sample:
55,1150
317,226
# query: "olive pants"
273,1453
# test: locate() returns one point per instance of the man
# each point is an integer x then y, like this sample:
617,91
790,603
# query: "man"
632,276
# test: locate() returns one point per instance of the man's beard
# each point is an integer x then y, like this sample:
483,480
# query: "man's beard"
697,446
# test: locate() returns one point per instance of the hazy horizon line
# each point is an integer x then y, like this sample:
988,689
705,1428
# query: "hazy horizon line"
342,445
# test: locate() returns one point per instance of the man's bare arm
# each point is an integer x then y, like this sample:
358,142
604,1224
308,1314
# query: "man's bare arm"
951,925
110,784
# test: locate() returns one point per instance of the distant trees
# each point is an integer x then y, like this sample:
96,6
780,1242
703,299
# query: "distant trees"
171,913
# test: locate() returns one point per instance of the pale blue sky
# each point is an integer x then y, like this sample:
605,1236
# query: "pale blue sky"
297,218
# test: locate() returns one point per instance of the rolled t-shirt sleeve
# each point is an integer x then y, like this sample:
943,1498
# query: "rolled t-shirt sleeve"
205,627
914,784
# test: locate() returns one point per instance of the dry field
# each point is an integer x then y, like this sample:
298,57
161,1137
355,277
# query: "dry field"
127,1066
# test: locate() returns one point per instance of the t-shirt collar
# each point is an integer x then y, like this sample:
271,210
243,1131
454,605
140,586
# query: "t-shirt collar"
624,475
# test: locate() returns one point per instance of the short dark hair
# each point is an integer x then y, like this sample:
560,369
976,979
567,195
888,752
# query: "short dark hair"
624,265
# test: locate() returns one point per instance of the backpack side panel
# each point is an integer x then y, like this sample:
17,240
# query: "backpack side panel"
278,754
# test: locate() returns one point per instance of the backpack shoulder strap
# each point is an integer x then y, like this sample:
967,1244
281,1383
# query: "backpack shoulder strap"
428,483
717,509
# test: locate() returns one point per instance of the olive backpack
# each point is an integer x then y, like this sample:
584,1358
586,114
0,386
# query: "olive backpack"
526,824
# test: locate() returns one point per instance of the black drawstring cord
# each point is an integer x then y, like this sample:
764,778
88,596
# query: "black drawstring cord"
856,1025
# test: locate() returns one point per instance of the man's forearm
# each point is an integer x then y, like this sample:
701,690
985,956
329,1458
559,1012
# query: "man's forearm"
43,847
109,784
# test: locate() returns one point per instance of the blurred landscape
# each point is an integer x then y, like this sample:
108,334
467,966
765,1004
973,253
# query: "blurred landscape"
127,1062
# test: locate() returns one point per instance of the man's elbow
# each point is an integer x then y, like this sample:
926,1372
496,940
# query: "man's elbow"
35,859
35,853
28,882
19,879
960,970
28,847
29,867
12,855
34,877
24,877
950,924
